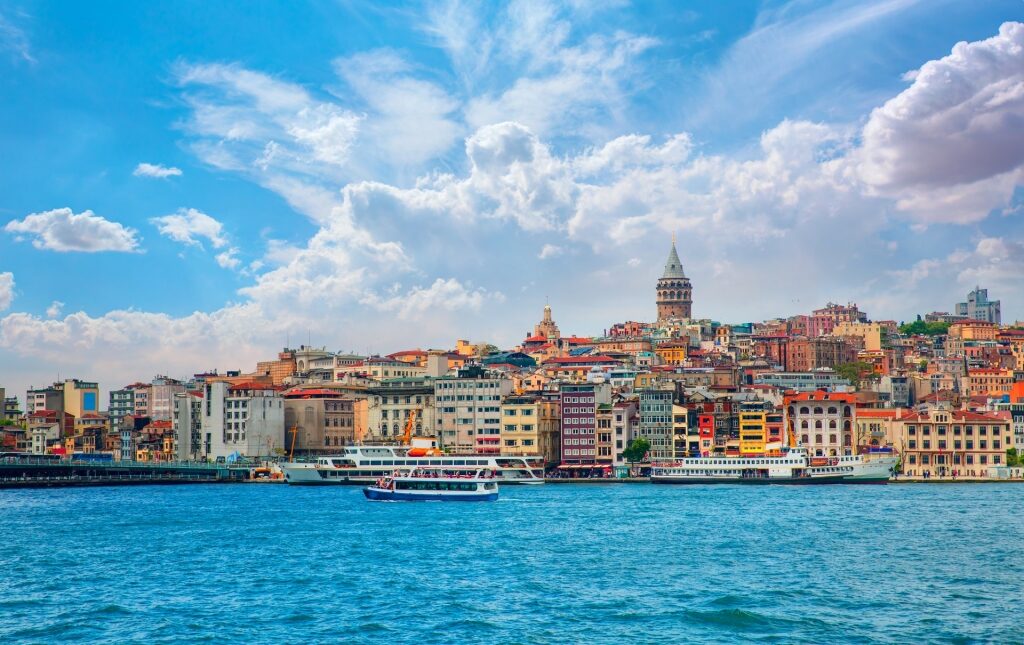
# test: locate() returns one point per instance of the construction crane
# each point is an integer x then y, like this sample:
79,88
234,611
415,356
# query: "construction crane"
409,423
295,432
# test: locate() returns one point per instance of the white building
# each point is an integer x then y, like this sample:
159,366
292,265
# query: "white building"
161,397
468,410
187,424
247,418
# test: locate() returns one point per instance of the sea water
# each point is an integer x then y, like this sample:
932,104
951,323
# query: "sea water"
629,563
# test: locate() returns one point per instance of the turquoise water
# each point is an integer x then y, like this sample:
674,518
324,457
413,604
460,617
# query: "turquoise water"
549,564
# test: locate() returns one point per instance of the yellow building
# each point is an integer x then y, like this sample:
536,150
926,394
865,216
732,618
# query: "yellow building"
680,430
529,426
80,397
869,333
988,382
672,352
753,433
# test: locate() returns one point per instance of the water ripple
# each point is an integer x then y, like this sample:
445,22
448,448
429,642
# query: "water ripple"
550,564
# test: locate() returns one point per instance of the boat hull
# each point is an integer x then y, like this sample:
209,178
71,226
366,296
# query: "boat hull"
770,481
381,495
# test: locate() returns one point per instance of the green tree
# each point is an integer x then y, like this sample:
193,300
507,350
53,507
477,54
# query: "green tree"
922,328
1013,459
636,450
857,372
485,349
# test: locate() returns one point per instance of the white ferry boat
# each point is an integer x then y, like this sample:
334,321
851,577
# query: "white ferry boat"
791,466
366,464
424,484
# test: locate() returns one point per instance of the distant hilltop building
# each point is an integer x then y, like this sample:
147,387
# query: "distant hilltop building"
979,307
675,293
546,328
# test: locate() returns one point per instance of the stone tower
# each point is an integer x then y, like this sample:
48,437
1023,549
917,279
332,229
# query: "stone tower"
547,327
675,293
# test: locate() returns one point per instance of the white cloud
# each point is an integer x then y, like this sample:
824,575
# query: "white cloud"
410,119
449,295
245,119
189,224
14,39
634,262
6,290
574,88
550,251
156,170
62,230
55,308
777,59
229,259
950,148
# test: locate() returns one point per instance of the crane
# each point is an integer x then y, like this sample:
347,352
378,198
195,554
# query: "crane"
409,423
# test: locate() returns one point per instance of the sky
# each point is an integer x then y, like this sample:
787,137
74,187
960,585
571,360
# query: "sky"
194,185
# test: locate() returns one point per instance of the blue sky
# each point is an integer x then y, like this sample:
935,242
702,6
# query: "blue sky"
187,186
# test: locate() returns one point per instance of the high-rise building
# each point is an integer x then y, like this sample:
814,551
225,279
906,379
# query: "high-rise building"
979,307
675,294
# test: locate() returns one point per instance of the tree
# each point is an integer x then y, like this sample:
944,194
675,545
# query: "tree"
922,328
636,450
1013,459
484,349
857,372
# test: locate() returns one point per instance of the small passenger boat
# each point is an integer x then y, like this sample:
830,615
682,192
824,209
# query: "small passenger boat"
424,484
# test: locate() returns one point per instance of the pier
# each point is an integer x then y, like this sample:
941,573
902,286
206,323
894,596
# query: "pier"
29,472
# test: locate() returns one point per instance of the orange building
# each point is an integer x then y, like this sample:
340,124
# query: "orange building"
673,352
988,382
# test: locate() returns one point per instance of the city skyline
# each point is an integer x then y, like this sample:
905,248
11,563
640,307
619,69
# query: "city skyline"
174,204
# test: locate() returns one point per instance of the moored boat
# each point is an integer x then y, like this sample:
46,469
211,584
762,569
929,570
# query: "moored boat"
423,484
364,464
791,466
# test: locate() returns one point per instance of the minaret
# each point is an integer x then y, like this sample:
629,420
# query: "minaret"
675,294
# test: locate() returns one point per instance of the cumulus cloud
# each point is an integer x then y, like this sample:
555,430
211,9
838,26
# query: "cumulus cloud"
950,148
188,225
156,170
229,259
55,308
62,230
550,251
6,290
448,295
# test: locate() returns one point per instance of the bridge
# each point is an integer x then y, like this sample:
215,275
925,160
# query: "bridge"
37,472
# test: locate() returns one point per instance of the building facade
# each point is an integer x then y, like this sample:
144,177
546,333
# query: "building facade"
578,403
656,422
247,418
822,421
392,403
317,420
468,410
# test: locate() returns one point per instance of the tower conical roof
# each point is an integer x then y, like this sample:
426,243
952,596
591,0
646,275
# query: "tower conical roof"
673,267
